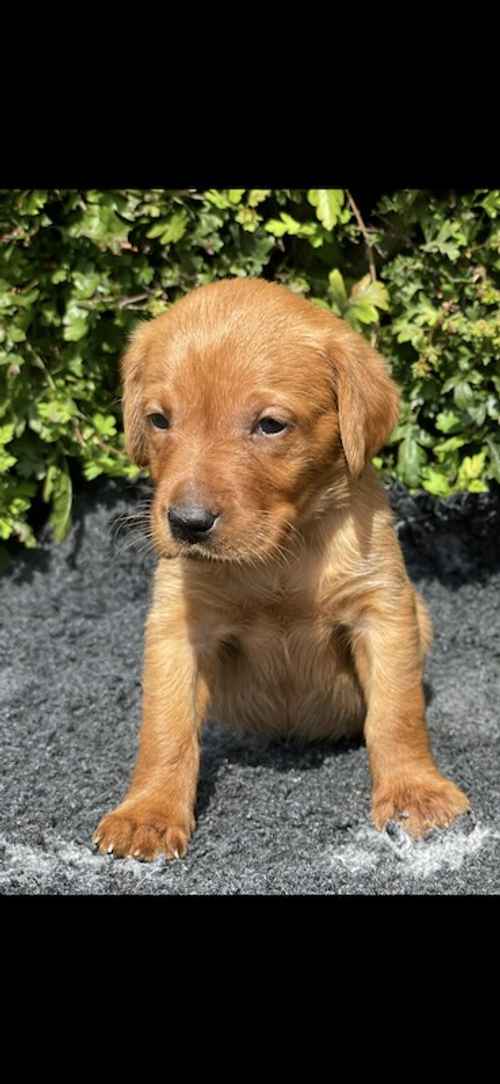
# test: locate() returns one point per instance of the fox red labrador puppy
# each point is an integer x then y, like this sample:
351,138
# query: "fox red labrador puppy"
281,599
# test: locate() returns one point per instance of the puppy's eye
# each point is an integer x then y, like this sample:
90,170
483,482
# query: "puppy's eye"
158,421
270,426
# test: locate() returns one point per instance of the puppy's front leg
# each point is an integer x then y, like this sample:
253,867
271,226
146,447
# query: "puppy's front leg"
389,658
157,814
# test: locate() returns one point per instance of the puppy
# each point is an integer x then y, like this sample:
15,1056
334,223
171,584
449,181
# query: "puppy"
281,601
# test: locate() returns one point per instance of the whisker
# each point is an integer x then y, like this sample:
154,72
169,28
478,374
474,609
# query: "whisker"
132,530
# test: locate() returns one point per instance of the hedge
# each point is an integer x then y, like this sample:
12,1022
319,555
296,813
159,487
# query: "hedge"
418,273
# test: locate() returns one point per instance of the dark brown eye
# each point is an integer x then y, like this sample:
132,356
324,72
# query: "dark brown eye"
159,421
270,426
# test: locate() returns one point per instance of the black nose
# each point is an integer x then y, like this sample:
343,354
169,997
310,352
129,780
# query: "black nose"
190,522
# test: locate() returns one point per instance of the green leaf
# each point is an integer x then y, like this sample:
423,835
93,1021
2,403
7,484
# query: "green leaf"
320,304
366,314
435,482
447,420
100,224
6,461
291,226
494,458
248,218
492,203
5,528
157,229
286,225
17,334
365,299
471,469
235,194
76,330
105,424
449,239
59,276
25,299
92,470
426,439
50,481
451,382
328,203
408,333
62,495
477,486
218,198
463,395
24,534
7,433
398,433
375,293
86,283
493,407
75,322
171,229
444,449
58,411
337,288
411,458
477,413
257,195
31,204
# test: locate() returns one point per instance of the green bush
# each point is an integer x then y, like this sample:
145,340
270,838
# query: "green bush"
442,271
77,270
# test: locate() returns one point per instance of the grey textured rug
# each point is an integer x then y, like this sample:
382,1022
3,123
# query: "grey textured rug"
271,820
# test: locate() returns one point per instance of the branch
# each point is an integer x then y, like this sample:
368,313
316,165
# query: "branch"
364,231
113,302
124,301
369,249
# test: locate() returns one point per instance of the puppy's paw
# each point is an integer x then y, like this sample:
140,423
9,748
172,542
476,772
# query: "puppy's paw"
418,805
139,830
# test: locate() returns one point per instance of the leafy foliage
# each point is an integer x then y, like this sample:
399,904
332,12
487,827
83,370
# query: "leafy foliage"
443,338
78,269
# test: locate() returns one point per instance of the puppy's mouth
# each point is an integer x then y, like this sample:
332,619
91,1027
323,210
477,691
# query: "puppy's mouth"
193,551
223,553
197,553
267,540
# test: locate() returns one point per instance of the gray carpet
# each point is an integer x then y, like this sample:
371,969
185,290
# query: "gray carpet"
271,820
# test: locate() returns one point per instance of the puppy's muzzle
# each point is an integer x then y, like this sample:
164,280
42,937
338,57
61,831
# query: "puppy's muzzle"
191,522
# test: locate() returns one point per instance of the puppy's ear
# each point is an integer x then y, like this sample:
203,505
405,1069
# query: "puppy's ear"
367,397
131,367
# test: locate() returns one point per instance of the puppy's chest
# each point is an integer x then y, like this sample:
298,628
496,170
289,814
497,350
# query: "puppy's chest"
279,637
277,666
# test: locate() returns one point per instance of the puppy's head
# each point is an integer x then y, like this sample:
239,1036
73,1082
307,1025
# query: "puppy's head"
248,403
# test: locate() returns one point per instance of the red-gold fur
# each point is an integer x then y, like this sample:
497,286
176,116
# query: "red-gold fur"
297,614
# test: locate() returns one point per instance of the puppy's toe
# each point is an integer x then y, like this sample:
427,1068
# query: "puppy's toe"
418,806
142,833
114,835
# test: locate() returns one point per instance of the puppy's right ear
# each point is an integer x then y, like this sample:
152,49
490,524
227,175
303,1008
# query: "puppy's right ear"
132,369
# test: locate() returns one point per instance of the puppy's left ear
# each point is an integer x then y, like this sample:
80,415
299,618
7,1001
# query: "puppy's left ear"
367,397
132,369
